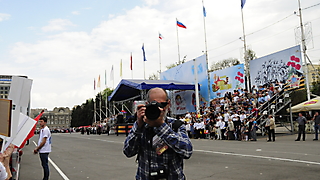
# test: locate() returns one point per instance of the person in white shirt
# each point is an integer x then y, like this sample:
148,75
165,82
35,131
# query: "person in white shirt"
196,126
202,127
235,98
234,116
44,146
226,116
219,116
188,115
222,128
242,116
267,97
188,129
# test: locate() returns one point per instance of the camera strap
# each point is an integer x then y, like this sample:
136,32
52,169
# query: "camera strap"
176,125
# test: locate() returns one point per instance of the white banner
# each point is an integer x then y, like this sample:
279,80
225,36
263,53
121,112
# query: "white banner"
276,67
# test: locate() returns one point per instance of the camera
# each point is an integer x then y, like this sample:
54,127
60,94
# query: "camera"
152,109
158,174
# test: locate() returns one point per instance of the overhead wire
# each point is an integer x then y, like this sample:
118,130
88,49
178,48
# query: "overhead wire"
263,29
311,6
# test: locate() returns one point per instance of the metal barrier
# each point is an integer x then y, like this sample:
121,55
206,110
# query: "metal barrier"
309,127
123,128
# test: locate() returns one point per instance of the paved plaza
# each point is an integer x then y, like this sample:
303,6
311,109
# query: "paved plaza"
95,157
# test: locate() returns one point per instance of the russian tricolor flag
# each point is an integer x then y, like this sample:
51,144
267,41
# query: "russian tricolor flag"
160,36
181,25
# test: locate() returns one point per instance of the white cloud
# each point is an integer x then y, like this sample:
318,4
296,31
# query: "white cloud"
57,25
4,16
152,2
64,65
75,12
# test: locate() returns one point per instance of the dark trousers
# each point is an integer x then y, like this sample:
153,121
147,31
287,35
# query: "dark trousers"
44,162
254,134
197,133
316,129
202,135
302,129
271,132
223,137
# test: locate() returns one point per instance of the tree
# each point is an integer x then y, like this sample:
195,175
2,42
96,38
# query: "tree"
153,76
251,55
171,66
83,115
177,63
224,64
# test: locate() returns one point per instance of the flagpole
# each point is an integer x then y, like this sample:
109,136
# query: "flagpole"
105,78
100,99
246,62
196,86
100,106
131,64
112,77
178,42
94,102
159,55
206,49
144,61
121,68
144,70
304,50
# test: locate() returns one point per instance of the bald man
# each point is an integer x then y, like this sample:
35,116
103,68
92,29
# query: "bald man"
160,144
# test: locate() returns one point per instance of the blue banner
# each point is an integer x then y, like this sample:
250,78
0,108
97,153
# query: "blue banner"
185,73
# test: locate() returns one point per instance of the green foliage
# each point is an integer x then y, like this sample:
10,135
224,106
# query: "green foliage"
177,63
83,115
316,88
251,55
153,76
171,66
224,64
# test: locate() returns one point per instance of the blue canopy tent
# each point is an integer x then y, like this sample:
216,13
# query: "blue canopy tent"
135,89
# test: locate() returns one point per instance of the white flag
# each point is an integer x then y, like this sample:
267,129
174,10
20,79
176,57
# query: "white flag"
111,74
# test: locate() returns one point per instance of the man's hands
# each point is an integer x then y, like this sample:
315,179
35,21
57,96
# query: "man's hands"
141,109
141,118
35,151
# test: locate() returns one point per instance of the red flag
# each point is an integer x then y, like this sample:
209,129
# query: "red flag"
31,133
131,62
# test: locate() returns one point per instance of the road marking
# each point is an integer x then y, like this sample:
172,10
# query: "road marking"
261,157
55,166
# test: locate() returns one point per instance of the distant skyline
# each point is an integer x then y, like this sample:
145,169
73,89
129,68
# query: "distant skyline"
64,45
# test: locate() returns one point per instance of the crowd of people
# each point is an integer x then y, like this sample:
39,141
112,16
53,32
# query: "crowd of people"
233,117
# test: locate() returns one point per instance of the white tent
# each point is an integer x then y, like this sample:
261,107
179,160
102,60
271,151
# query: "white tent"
312,104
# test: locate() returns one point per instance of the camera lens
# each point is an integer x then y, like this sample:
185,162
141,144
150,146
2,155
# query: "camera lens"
152,111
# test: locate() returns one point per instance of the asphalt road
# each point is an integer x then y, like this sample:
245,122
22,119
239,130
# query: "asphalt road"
100,157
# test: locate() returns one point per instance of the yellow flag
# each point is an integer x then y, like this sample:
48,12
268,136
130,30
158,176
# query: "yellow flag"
98,83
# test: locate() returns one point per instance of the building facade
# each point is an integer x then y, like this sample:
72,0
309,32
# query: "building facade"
59,118
313,74
5,83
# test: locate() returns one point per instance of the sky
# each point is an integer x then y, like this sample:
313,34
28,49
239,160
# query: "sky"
64,45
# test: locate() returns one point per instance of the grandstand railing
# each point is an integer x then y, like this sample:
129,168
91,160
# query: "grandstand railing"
276,103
